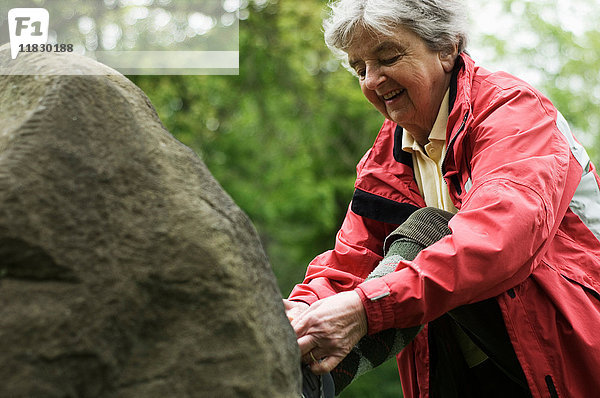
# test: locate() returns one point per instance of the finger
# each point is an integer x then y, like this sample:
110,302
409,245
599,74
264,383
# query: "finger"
293,309
307,359
306,344
310,358
292,314
289,309
300,323
287,304
314,355
303,311
325,365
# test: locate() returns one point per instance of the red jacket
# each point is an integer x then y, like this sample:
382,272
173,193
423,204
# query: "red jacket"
527,232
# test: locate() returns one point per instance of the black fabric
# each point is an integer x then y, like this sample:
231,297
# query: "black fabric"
454,83
448,370
450,377
381,209
483,323
490,382
500,375
311,383
551,387
400,155
314,386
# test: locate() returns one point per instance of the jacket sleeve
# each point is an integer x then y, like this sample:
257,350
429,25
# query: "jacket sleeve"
523,177
357,250
381,201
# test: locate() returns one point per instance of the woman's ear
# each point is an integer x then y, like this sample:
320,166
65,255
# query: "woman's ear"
448,58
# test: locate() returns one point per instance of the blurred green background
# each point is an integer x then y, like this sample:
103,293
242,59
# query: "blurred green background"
284,136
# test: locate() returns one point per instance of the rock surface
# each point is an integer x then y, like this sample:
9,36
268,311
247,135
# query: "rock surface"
125,269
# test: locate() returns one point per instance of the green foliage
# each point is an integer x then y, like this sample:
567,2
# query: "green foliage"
283,137
560,52
381,382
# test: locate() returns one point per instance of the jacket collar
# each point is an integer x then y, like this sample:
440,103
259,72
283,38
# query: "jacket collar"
459,119
460,94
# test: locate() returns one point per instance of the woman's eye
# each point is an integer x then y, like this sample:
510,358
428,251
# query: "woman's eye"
389,61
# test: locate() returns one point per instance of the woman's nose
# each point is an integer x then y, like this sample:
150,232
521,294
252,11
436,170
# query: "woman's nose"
373,78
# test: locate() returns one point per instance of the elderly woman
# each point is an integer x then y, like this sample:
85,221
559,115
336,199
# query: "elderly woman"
509,296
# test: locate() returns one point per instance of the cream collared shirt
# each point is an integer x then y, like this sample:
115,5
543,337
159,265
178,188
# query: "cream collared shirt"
427,161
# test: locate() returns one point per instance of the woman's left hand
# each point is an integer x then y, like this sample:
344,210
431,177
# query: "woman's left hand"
329,329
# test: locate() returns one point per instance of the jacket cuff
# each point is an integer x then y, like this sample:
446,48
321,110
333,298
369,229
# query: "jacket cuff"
304,294
376,297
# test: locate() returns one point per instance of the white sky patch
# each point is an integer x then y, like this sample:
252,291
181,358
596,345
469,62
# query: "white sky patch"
141,3
489,18
134,14
232,5
111,34
201,23
228,19
86,25
578,16
161,18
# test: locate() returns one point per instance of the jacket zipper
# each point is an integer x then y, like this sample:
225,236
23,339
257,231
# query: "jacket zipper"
449,149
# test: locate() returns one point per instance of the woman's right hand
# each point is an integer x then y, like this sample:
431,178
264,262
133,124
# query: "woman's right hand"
294,308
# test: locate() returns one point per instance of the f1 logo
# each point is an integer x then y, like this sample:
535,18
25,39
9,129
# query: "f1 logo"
27,26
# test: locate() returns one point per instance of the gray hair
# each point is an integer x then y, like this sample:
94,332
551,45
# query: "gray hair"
441,24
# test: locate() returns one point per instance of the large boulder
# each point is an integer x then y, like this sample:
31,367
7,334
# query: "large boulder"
125,269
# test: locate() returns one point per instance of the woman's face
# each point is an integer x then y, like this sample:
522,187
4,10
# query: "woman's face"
402,78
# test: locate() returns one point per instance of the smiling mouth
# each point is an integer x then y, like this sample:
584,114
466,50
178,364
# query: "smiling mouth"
392,95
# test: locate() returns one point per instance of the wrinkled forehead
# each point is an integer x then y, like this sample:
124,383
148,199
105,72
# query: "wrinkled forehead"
367,41
359,33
